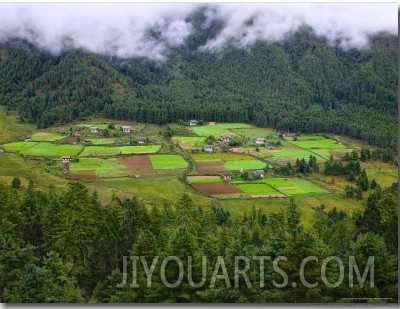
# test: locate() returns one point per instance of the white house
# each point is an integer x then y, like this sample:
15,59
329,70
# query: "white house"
126,129
94,130
193,122
208,148
260,141
66,159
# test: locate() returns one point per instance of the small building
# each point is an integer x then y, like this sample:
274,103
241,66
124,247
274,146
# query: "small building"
193,122
126,129
281,134
141,140
225,139
212,123
94,130
227,175
260,141
87,142
259,173
208,148
66,159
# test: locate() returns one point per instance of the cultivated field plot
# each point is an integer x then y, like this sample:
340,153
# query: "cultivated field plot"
168,162
294,186
192,141
217,188
139,165
43,149
285,155
259,190
217,162
325,143
102,141
218,129
97,168
46,137
96,151
268,133
204,179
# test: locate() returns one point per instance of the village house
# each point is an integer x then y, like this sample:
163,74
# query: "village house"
94,130
208,148
259,174
225,139
212,123
141,140
87,142
66,159
281,134
227,176
260,141
193,122
126,129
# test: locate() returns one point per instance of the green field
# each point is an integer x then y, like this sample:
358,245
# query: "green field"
294,186
284,155
94,151
194,141
325,143
257,189
44,149
102,141
168,162
244,164
109,167
226,157
309,137
46,137
254,132
218,129
204,179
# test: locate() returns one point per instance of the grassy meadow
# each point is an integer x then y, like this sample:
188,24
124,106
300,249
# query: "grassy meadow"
104,151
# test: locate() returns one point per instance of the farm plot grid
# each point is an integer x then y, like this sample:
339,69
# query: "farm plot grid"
135,166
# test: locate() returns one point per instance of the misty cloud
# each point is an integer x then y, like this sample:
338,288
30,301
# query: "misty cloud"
147,30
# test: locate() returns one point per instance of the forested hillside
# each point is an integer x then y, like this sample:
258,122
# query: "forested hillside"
302,83
68,248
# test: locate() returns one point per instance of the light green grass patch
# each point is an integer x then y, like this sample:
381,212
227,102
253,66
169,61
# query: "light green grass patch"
218,129
291,154
226,157
46,137
44,149
168,162
244,164
106,167
19,146
194,141
294,186
94,151
257,189
326,143
308,137
253,133
204,179
103,141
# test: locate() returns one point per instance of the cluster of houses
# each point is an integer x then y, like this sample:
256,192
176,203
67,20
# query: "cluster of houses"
256,174
125,129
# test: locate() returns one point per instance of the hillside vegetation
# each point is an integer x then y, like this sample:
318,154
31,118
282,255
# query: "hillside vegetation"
302,83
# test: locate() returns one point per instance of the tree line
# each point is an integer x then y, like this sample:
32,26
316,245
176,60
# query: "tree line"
67,247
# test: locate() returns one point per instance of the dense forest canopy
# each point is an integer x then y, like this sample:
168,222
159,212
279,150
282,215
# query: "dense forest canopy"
302,83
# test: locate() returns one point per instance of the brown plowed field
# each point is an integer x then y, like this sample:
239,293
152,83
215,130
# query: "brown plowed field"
71,140
82,175
210,167
139,164
217,188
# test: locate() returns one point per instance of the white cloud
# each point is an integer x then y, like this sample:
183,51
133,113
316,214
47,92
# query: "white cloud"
122,28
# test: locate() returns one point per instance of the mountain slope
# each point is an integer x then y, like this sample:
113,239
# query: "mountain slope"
300,84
